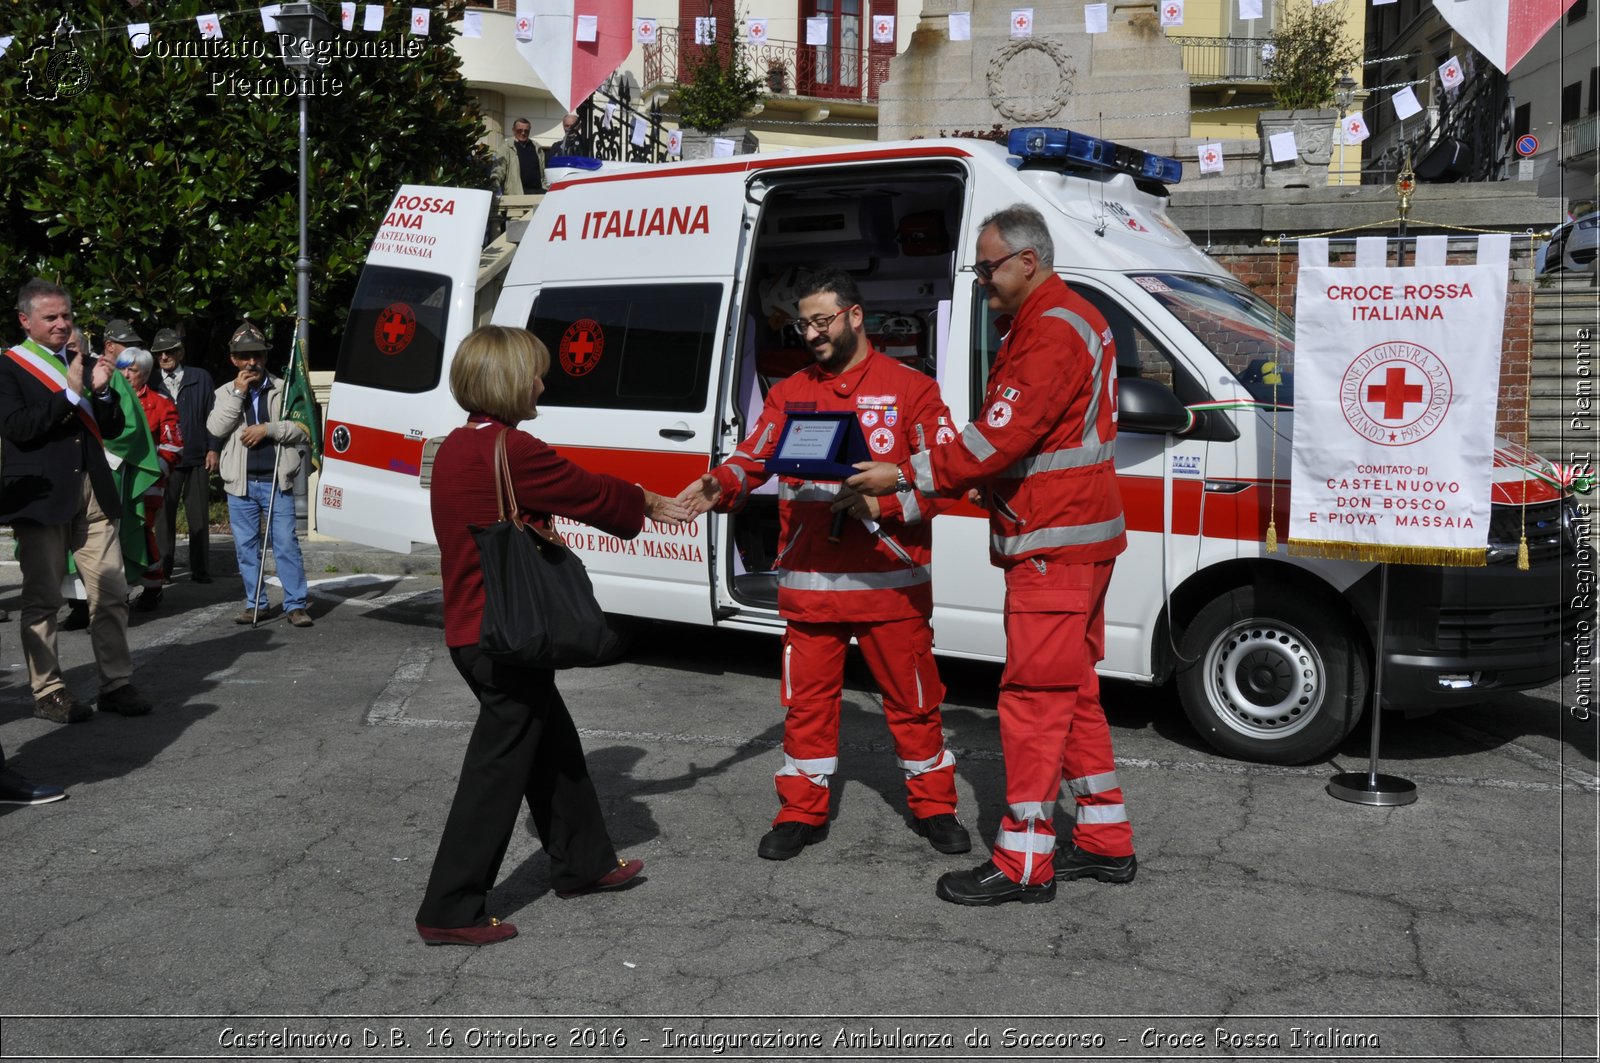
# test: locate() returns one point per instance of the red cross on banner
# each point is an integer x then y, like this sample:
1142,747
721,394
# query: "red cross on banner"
1394,393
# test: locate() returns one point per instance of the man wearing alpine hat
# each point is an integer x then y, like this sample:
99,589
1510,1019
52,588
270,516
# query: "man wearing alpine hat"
260,459
189,484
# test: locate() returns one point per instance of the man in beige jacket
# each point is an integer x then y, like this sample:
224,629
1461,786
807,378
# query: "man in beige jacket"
260,459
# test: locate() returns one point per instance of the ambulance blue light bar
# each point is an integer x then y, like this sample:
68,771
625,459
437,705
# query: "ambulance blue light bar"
1070,150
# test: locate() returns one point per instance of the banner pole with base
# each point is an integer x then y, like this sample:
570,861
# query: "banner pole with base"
1371,787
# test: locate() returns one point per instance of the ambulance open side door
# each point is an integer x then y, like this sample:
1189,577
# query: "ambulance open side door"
628,281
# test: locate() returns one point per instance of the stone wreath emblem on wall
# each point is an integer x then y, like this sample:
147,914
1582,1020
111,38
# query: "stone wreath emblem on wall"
1030,79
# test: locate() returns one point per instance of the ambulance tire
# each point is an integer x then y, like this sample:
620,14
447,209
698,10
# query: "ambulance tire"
1270,674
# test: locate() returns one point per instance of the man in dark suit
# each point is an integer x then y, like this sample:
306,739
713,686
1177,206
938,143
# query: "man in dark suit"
57,493
192,389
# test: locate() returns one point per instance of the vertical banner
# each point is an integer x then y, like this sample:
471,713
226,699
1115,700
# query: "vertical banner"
1397,374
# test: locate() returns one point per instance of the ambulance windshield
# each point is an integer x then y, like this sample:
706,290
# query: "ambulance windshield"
1247,335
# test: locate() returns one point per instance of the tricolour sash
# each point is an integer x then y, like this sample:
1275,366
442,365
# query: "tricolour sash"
49,370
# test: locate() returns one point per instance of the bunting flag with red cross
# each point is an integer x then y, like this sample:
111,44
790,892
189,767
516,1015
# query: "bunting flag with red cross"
1396,374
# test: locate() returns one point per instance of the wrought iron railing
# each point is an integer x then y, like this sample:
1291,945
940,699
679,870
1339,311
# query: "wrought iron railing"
1224,58
846,70
1581,137
613,140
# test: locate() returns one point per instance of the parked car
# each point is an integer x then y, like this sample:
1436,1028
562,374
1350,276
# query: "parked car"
1572,246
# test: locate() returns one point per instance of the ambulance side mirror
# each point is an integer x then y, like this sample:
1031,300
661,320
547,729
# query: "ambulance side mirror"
1146,406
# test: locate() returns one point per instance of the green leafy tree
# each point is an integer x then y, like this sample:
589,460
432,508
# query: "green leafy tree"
718,86
158,180
1309,52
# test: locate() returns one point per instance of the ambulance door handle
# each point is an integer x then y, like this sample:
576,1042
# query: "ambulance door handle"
679,434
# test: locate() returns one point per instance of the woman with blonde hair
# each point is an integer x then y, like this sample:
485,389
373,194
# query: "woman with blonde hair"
524,745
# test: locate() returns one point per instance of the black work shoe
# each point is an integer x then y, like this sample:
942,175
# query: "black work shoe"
124,701
1072,862
61,707
987,885
149,598
785,841
77,617
944,832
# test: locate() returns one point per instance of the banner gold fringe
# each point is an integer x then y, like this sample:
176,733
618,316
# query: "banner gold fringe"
1400,555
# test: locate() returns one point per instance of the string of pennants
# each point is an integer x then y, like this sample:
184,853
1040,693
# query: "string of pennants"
586,28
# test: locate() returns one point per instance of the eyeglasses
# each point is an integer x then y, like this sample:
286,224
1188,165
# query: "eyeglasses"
820,323
985,269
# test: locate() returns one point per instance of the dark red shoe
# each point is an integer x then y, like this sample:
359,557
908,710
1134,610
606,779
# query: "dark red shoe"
490,933
611,880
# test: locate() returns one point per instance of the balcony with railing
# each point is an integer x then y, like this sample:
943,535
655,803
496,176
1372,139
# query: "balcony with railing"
848,71
1225,59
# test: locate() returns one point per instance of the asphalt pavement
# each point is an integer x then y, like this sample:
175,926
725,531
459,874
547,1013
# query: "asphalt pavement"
236,875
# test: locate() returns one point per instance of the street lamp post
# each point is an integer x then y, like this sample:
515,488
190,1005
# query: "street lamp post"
1344,94
301,29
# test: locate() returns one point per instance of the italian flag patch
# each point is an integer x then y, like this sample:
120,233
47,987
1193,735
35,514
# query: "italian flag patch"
1010,394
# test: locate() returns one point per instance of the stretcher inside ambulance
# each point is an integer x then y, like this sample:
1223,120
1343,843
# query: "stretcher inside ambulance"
664,294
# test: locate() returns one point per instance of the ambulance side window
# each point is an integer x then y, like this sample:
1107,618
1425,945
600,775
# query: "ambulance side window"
630,347
394,338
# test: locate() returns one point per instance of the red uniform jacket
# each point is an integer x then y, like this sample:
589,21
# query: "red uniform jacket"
863,577
545,483
161,413
1044,442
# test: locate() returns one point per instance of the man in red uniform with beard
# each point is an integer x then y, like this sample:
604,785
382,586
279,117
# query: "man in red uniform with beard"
873,583
1042,451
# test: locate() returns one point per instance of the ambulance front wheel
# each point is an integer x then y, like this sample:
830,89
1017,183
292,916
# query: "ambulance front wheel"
1272,674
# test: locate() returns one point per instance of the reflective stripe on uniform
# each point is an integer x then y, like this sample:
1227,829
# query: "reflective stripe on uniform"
910,509
852,581
1097,352
738,474
1040,810
1044,538
977,443
808,492
922,471
1056,460
1102,814
1085,785
1026,841
944,759
817,770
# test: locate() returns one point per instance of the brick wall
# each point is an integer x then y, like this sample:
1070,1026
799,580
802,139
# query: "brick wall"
1273,276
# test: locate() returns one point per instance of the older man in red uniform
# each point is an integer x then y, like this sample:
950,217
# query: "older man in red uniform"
873,583
1042,451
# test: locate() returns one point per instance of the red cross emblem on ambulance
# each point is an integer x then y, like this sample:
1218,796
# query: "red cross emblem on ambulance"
581,346
395,328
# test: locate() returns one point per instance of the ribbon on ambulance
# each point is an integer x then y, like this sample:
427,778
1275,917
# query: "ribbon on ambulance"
1398,373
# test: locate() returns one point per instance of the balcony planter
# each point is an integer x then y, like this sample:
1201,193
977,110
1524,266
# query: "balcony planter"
698,145
1313,139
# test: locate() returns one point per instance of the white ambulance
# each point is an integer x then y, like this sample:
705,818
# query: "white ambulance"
663,292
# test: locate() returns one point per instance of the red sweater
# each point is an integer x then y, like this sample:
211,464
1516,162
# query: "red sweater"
545,484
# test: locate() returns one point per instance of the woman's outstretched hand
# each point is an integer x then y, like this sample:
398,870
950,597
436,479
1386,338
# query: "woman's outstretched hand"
664,510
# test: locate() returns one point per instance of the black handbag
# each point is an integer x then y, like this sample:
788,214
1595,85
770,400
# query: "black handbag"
539,609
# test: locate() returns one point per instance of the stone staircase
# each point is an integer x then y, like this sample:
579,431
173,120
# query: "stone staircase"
1562,306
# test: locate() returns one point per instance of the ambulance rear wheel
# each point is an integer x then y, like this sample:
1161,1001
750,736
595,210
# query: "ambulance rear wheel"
1272,674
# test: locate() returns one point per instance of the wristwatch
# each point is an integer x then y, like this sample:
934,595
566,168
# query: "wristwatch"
900,482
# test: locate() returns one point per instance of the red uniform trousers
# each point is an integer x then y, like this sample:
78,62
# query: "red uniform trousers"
900,656
1052,729
154,574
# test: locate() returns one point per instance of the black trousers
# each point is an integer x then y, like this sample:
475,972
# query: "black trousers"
192,486
524,747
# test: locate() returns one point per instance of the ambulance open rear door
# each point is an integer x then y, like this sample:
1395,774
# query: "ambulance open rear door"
391,391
